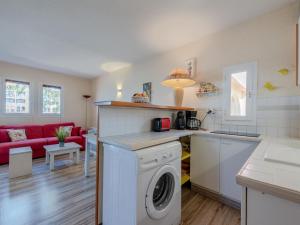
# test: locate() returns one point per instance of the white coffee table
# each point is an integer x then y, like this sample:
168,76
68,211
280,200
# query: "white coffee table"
69,148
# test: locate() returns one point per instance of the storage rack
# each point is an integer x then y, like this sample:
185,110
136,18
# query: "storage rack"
185,160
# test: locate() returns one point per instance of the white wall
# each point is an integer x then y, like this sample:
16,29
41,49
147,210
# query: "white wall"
73,89
269,39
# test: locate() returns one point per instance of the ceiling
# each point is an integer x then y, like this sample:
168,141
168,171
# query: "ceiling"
78,36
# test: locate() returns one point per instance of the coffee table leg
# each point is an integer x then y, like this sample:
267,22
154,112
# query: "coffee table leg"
51,162
77,156
47,157
87,159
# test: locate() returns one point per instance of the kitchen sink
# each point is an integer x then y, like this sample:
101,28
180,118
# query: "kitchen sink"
245,134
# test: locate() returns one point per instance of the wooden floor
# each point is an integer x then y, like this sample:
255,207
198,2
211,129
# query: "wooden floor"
66,197
199,210
62,197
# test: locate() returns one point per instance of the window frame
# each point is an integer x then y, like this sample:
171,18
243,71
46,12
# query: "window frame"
251,92
3,103
41,86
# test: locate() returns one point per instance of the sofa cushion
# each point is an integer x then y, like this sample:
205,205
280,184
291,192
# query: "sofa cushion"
75,131
17,135
4,137
49,129
35,131
67,130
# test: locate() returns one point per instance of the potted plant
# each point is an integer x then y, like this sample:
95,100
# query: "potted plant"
61,135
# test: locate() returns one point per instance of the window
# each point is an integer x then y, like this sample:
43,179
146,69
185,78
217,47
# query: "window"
240,93
17,97
51,99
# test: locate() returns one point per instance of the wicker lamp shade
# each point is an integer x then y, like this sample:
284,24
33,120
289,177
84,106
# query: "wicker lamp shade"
178,78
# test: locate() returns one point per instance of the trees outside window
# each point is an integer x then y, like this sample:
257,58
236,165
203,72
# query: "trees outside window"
17,97
51,99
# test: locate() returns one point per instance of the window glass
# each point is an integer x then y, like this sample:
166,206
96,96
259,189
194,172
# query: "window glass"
17,97
238,94
51,99
240,86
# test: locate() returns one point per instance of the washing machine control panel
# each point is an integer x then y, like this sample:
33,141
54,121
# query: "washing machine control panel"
153,159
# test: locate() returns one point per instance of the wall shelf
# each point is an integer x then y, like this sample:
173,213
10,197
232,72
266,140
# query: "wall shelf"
207,89
185,155
184,178
185,159
141,105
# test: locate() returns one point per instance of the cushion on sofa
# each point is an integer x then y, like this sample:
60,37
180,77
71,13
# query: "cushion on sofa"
67,130
33,132
4,137
17,135
75,131
49,129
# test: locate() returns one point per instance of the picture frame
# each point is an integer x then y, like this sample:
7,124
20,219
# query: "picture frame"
147,88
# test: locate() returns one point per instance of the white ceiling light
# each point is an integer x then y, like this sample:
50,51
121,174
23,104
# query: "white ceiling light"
114,66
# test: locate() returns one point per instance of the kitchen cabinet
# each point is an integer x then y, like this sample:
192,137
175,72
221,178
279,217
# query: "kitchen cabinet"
205,162
216,161
266,209
233,155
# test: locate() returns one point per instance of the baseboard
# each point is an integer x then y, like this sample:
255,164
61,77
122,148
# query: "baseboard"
215,196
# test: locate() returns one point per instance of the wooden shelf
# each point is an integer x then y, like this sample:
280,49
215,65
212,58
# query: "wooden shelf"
184,178
185,155
141,105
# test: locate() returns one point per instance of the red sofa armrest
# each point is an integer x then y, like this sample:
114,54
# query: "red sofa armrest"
82,132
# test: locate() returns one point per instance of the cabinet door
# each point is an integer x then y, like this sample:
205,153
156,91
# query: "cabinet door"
265,209
233,155
205,162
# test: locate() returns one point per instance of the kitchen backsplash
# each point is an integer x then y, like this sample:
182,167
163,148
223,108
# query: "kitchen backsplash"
276,117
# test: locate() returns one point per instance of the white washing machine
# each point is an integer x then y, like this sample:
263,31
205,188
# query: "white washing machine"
142,187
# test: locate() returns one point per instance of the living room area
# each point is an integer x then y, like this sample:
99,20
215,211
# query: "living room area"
44,124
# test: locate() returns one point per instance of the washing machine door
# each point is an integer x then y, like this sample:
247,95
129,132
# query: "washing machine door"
161,192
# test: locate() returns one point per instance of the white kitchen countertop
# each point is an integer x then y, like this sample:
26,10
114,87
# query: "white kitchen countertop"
138,141
279,179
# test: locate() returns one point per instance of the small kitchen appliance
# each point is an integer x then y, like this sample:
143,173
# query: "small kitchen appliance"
192,123
161,124
180,121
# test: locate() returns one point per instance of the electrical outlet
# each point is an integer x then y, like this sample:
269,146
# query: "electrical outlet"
213,111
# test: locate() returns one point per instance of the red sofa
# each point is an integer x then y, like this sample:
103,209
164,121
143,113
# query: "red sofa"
37,137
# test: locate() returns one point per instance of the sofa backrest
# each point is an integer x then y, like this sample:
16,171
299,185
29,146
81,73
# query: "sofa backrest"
4,136
49,129
32,131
